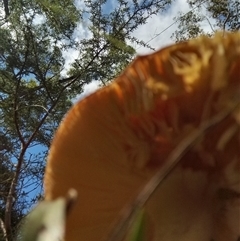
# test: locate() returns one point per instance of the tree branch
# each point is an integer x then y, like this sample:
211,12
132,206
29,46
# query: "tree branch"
3,230
6,8
25,145
225,22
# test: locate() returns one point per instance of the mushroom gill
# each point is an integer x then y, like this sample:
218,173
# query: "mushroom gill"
111,144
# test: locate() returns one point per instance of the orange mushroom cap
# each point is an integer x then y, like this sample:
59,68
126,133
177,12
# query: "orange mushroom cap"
112,142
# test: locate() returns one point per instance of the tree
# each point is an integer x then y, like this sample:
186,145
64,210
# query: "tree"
35,94
219,15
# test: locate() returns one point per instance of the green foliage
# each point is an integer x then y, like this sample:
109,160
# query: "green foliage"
225,12
219,15
47,222
35,95
190,26
110,35
34,92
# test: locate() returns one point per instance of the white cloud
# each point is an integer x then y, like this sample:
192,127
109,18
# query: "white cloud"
39,19
80,4
157,32
70,55
81,32
88,89
155,25
160,27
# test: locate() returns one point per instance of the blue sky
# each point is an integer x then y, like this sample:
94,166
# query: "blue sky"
157,32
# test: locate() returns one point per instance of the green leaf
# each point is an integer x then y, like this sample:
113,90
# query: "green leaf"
47,221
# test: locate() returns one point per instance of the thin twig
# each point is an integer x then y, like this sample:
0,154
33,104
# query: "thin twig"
9,201
210,24
4,231
225,22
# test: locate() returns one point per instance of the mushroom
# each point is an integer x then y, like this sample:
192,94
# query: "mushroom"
110,145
